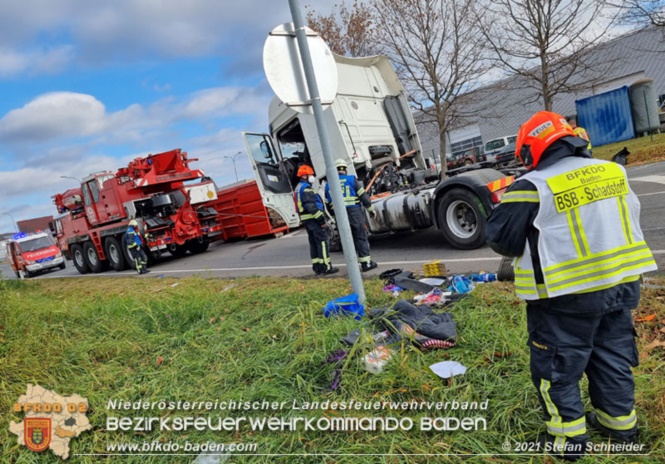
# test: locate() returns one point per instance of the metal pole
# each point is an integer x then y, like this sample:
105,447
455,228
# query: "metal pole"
13,220
646,108
331,172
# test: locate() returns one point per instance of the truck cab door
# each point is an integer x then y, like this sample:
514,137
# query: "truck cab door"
273,183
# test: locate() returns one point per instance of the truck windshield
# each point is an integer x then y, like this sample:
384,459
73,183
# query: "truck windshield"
35,244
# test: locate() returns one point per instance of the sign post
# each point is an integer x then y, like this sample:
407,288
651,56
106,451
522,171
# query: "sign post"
286,62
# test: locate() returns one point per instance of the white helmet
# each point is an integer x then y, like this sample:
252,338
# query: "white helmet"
133,223
340,164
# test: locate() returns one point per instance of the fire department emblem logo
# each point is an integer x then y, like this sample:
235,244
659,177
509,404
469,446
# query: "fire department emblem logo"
37,432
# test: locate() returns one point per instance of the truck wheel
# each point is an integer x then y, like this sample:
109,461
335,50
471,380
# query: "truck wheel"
334,241
506,273
79,259
178,251
129,261
195,246
462,219
114,254
92,258
63,265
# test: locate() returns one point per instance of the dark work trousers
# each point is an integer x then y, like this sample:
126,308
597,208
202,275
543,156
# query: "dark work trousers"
564,347
318,246
359,232
139,257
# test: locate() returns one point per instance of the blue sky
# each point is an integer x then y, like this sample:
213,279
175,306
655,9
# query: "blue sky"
88,86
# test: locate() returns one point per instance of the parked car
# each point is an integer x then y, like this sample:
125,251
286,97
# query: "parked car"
465,158
506,155
495,145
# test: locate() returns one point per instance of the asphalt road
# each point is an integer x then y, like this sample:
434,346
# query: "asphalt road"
289,255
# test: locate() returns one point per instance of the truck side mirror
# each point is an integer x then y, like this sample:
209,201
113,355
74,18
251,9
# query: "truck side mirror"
265,149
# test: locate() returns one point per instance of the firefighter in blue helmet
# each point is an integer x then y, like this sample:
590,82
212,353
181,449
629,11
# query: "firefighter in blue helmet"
135,247
355,197
572,224
310,209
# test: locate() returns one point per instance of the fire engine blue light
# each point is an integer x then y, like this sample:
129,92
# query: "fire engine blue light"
20,235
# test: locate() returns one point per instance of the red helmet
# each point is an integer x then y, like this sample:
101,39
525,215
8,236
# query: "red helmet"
537,134
305,170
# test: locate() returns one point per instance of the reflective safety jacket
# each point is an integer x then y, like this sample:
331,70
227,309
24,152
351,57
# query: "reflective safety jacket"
353,192
589,232
308,202
582,133
133,238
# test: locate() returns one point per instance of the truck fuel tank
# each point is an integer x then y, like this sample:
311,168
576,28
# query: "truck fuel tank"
401,211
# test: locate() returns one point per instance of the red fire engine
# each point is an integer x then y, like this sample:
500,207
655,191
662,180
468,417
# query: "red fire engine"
30,254
168,199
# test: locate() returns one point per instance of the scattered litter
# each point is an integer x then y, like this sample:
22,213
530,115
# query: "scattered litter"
648,318
376,359
347,305
436,281
447,369
389,275
460,284
354,335
175,285
336,357
483,277
392,288
227,288
434,268
434,297
406,281
419,323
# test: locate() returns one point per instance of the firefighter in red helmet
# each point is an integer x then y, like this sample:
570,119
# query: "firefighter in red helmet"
310,209
572,226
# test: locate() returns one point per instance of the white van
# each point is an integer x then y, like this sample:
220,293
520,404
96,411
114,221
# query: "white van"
494,145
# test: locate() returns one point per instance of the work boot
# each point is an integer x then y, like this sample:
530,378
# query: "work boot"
368,266
332,270
573,448
623,436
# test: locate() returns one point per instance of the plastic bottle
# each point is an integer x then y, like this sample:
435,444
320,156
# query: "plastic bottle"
483,277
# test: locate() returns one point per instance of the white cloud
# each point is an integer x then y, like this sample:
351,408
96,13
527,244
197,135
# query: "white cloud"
36,61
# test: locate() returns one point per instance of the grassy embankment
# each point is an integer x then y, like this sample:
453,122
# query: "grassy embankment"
643,150
205,339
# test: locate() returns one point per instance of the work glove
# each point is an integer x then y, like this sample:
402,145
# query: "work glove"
372,211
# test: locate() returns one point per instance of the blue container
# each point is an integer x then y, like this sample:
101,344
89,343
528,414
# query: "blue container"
348,305
607,117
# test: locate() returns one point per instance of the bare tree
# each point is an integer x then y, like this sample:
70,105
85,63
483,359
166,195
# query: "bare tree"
348,31
643,11
435,46
544,40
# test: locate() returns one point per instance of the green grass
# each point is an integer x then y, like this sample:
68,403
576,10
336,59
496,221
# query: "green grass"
643,150
266,338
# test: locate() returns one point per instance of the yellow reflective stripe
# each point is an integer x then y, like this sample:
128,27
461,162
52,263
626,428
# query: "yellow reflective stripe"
596,257
364,259
584,244
360,191
318,214
568,429
603,287
617,423
542,290
595,265
573,226
326,258
520,196
317,261
549,405
625,219
605,273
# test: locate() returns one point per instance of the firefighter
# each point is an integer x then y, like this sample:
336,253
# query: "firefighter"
355,196
135,247
579,131
310,209
572,225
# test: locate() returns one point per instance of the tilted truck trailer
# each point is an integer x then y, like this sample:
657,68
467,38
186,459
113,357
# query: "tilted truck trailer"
370,126
169,200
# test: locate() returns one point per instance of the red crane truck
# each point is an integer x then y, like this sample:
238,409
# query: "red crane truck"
158,191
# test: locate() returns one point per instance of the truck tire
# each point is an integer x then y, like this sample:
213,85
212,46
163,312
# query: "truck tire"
63,265
196,246
79,259
92,258
334,240
114,254
178,251
506,273
462,219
